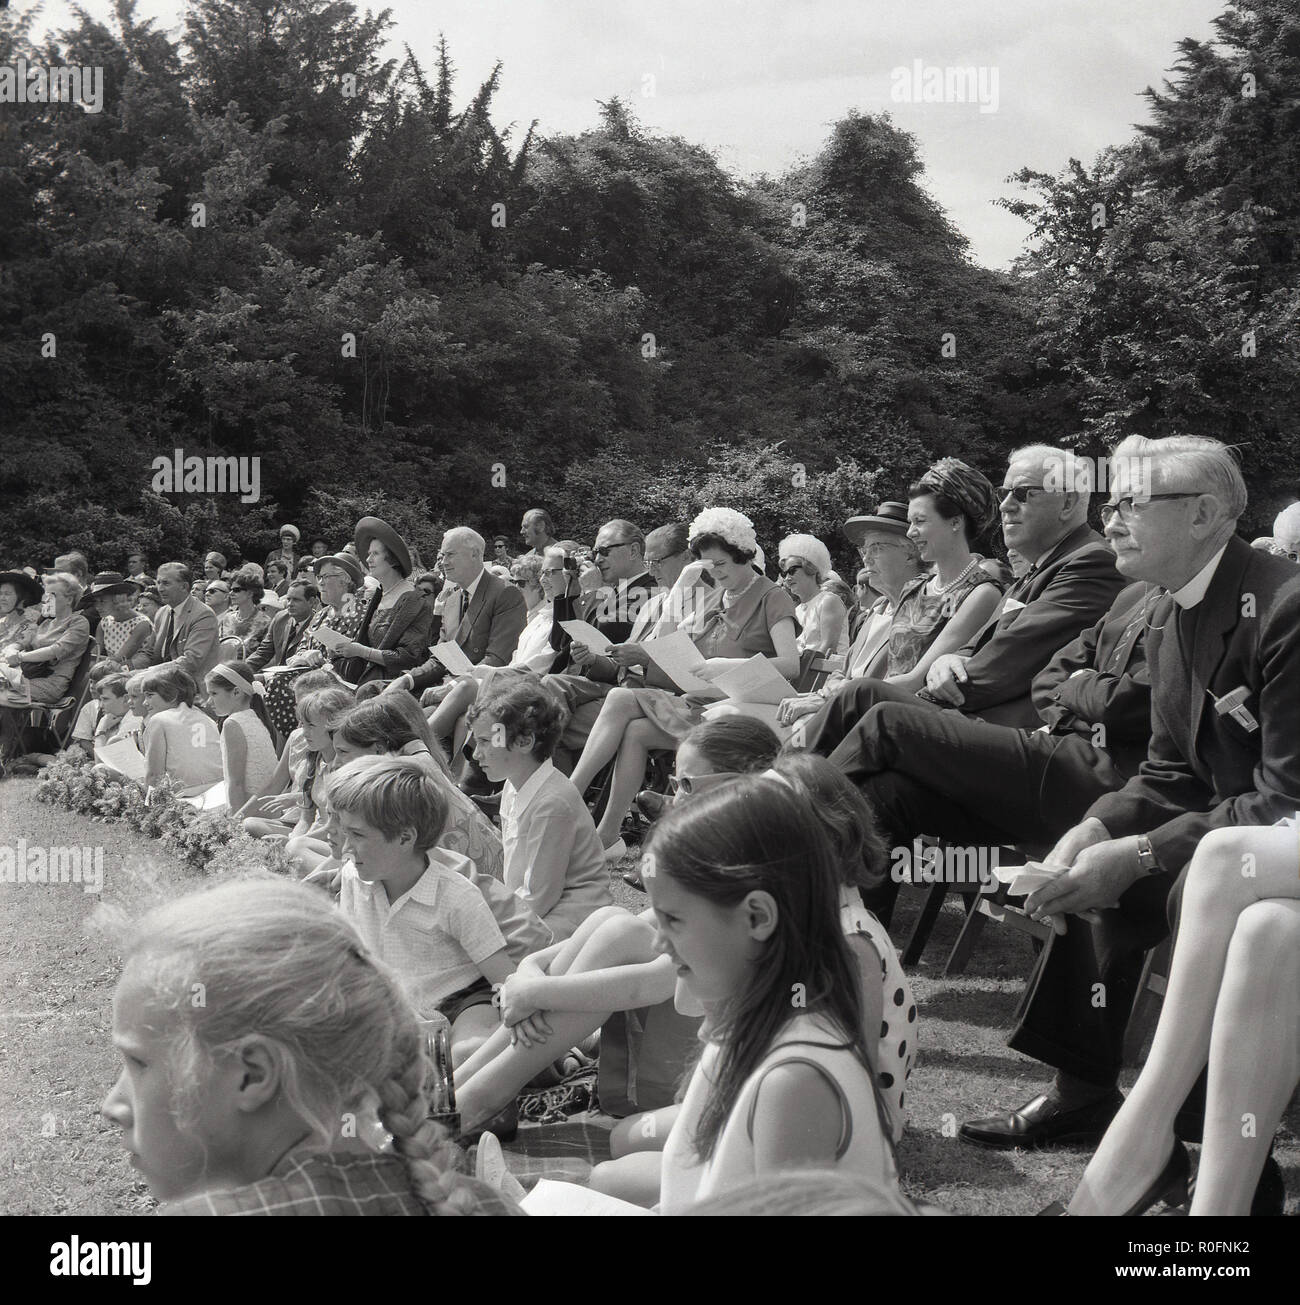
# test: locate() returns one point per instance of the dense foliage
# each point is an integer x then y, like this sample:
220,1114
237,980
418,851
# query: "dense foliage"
274,243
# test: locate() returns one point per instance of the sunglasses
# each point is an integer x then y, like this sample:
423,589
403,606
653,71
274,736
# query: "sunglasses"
791,570
1021,493
689,785
605,549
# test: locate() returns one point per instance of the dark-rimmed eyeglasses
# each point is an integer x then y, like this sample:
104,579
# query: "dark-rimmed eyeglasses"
1125,506
1020,493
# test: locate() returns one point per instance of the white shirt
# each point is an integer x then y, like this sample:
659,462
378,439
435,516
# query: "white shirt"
1195,589
434,935
533,651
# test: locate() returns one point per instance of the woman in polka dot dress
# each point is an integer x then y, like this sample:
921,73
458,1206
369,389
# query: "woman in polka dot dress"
889,1009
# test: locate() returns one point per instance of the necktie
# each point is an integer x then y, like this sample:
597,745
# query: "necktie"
169,639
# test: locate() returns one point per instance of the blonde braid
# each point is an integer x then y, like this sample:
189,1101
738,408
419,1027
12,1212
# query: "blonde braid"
430,1157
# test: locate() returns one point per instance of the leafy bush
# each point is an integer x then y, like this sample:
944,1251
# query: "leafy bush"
208,841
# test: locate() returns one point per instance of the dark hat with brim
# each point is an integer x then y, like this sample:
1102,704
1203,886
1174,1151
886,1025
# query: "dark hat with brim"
111,582
371,528
890,517
30,590
344,561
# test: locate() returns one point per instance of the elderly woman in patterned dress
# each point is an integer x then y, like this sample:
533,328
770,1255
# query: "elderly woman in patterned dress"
338,576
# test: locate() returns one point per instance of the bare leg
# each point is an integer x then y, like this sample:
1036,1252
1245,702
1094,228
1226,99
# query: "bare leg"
647,1131
634,1178
1231,870
617,712
495,1082
1255,1025
629,770
472,1029
446,716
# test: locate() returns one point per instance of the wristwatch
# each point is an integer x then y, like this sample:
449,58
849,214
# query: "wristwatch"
1147,862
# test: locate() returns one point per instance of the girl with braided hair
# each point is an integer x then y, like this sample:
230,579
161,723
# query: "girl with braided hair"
259,1039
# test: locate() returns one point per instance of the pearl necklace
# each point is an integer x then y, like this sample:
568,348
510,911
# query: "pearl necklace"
971,567
729,600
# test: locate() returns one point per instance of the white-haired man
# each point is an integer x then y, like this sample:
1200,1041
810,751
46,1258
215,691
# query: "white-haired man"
484,614
1224,658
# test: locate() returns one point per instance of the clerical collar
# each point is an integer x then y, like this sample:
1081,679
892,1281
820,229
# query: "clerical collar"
1194,590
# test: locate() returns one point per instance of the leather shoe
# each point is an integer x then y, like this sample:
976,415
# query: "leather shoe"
1042,1122
650,804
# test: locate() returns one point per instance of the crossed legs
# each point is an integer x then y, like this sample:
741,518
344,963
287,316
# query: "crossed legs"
625,735
1234,999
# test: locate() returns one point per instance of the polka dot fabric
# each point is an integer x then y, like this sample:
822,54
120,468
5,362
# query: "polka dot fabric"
897,1045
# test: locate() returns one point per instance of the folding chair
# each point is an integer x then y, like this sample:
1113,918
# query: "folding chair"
1150,997
60,717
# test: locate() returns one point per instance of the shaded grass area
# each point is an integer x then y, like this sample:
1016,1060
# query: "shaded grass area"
57,975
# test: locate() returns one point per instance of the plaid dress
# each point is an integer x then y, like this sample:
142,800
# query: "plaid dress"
336,1183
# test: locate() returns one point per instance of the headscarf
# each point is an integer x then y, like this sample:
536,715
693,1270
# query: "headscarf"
969,489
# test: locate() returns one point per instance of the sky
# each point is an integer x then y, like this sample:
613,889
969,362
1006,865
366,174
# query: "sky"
761,82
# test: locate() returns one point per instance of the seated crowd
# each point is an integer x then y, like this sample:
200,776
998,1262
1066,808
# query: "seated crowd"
454,760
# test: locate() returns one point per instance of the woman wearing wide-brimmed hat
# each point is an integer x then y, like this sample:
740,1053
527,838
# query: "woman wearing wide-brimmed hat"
396,629
122,636
20,601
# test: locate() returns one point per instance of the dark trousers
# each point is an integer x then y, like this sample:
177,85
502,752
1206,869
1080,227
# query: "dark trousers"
928,771
833,730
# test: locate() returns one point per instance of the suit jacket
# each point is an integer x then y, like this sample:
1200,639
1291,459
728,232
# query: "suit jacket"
1204,770
402,646
628,621
613,615
279,643
186,635
488,631
1067,590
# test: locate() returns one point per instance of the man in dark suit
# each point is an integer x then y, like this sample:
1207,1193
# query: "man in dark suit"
484,614
943,773
1224,657
184,629
578,674
287,628
1071,582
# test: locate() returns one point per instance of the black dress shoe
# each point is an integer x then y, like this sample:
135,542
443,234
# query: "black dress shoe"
651,805
1042,1122
1269,1200
1170,1186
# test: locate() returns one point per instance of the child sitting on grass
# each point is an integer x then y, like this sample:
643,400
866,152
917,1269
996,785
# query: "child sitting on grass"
274,815
181,743
321,713
248,757
100,720
553,857
243,1102
412,901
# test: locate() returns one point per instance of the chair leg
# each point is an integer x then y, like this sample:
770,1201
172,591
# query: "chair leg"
976,919
920,934
1145,1014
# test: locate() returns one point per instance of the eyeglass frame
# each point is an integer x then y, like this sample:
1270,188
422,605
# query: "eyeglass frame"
1021,493
879,546
604,550
685,785
1108,511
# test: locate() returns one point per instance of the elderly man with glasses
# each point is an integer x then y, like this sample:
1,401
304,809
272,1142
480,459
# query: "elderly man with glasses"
620,609
1225,686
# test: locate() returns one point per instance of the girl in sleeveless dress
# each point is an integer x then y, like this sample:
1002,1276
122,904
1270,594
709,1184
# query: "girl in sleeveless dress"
745,885
248,756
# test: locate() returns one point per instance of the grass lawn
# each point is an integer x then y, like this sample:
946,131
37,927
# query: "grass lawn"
57,1156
